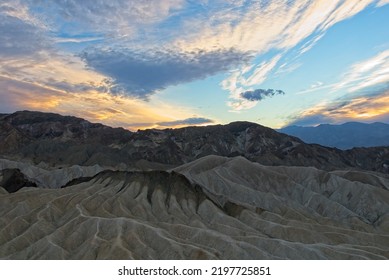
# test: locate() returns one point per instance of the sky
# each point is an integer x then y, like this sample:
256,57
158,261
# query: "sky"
172,63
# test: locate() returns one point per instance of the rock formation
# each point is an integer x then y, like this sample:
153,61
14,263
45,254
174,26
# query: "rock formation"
62,141
212,208
70,189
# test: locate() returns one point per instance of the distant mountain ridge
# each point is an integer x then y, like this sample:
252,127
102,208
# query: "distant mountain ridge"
345,136
58,141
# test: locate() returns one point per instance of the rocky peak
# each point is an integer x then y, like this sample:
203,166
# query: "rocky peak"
60,139
39,125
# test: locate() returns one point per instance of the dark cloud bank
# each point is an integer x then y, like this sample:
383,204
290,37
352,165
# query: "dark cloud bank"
141,74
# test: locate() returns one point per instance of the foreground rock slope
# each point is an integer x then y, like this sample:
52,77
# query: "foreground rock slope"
212,208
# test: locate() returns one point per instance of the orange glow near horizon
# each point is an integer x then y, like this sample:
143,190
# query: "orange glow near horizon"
362,109
115,111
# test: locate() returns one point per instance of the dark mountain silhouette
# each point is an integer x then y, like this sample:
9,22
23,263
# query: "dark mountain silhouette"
58,140
345,136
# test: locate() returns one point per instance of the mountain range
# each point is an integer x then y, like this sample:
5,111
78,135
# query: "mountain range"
54,140
71,189
345,136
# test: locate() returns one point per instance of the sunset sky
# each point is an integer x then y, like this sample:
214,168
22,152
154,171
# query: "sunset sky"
171,63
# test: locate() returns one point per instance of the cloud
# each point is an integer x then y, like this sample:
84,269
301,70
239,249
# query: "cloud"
317,84
28,54
249,99
50,70
18,95
382,3
261,26
367,99
19,9
210,30
21,34
188,121
287,68
84,39
143,73
193,121
209,37
313,120
260,73
95,106
259,94
372,72
113,18
240,80
311,43
367,73
371,107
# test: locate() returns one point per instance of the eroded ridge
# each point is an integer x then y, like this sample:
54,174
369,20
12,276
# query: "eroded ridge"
212,208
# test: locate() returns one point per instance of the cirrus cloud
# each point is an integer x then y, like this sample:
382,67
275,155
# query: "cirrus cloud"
367,73
188,121
21,33
117,111
371,107
119,18
270,25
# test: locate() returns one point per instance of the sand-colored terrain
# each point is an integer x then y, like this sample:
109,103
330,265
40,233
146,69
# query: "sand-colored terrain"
212,208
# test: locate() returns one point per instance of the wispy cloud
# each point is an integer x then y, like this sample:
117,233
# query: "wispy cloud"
262,25
366,73
35,75
313,88
286,68
77,40
28,54
316,85
232,29
242,80
19,9
382,3
311,43
359,76
138,53
52,71
95,106
365,94
21,33
18,95
373,107
260,73
193,121
188,121
274,25
120,18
